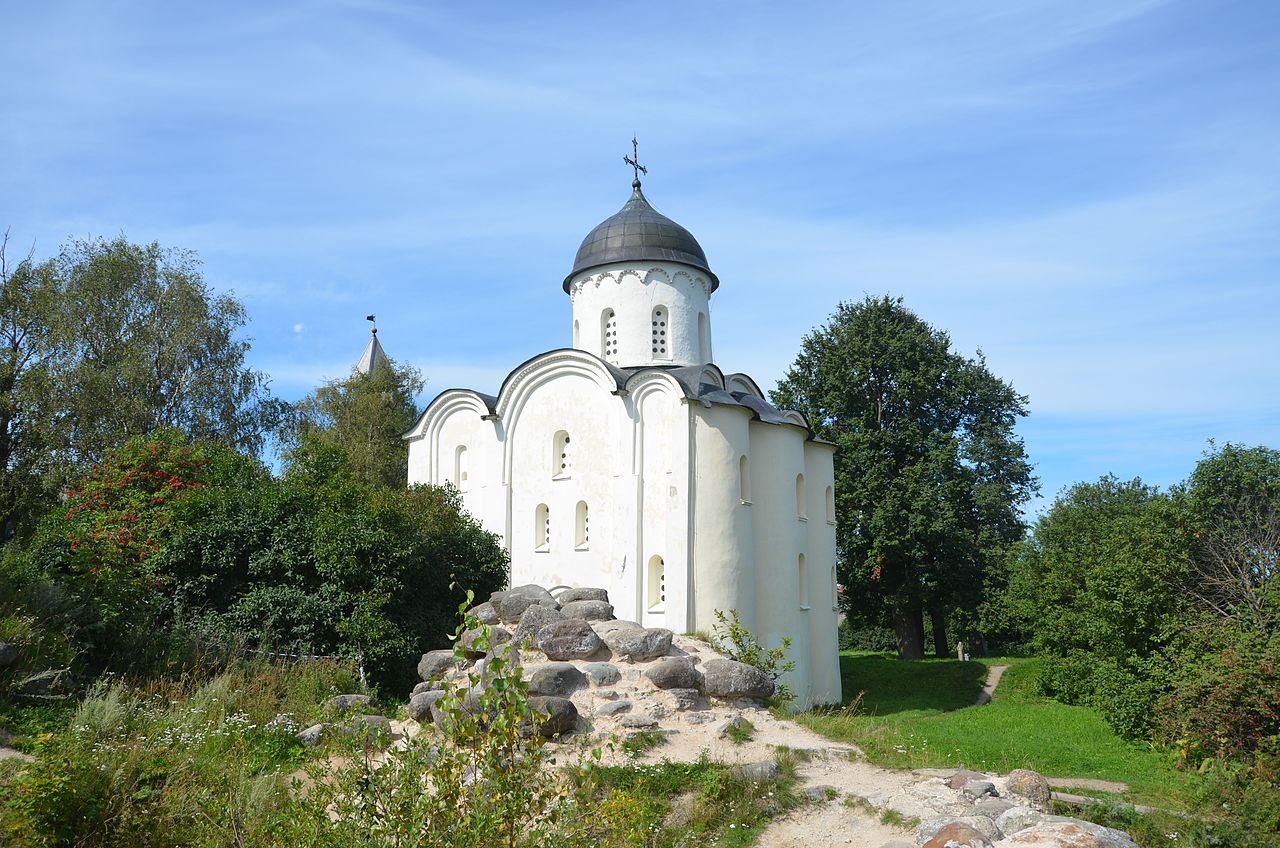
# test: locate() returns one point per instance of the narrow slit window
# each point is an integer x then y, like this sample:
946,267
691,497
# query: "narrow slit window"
804,582
659,337
704,338
800,505
560,456
609,335
582,530
744,479
831,505
542,528
657,588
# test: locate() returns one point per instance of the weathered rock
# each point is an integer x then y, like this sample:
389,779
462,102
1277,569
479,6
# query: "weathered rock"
898,843
978,789
673,673
607,694
8,654
733,679
556,678
484,613
571,639
686,699
639,643
735,722
1070,834
992,808
929,827
420,705
588,610
568,596
601,673
612,708
473,642
561,716
983,825
311,736
765,771
698,717
347,703
958,835
511,604
603,628
820,793
963,776
638,721
1031,787
435,664
1015,819
534,619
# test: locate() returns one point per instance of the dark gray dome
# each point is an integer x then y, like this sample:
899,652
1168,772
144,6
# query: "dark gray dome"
639,232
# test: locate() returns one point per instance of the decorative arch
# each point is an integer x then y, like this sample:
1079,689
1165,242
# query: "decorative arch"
802,511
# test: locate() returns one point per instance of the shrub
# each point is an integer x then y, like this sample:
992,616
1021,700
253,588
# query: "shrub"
739,643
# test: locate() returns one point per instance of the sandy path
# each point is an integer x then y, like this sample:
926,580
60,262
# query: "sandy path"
993,680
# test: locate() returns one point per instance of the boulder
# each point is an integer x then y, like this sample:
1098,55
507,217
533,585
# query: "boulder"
957,835
978,789
588,610
420,705
639,643
638,721
603,628
963,776
484,613
1015,819
1030,787
556,678
601,673
568,596
1071,833
473,642
534,619
765,771
992,808
674,673
686,699
311,736
732,679
511,604
571,639
347,703
555,716
612,708
435,664
8,654
822,792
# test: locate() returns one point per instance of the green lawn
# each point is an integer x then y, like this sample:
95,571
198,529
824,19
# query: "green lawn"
916,714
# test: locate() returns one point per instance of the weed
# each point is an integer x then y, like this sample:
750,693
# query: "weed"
741,732
892,818
642,741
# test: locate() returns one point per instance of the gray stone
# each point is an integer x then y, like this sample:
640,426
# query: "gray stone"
8,654
638,720
511,604
687,699
420,705
602,628
556,716
1031,787
699,717
928,828
568,596
639,643
588,610
347,703
311,736
1073,832
1016,819
612,708
820,793
435,664
571,639
963,776
765,771
733,679
978,789
736,721
601,673
991,807
424,686
673,673
983,825
484,613
606,694
556,678
534,619
474,644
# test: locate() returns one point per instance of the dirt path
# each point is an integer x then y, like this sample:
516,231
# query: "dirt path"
993,680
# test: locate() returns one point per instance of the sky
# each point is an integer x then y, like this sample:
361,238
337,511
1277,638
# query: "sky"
1087,191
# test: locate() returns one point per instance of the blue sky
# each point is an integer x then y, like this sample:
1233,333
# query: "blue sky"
1087,191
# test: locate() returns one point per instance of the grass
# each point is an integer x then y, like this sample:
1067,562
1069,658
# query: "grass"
914,715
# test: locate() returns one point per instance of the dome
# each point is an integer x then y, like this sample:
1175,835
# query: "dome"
639,232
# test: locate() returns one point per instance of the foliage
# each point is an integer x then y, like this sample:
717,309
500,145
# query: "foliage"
111,340
365,415
929,470
738,643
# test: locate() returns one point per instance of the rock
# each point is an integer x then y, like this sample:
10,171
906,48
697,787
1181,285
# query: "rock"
424,687
473,641
420,705
765,771
374,729
311,736
820,793
686,699
8,654
698,717
639,643
958,835
673,673
898,843
736,721
511,604
1031,787
733,679
568,596
588,610
1072,833
638,720
1015,819
604,628
534,619
484,613
601,673
561,716
606,694
992,808
435,664
612,708
347,703
978,789
983,825
929,828
963,776
556,678
571,639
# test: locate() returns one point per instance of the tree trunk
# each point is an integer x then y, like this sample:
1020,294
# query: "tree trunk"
938,618
908,627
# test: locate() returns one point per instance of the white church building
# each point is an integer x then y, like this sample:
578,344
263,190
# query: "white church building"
630,461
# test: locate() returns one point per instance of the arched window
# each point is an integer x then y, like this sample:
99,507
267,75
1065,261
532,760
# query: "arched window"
657,585
460,472
560,458
744,479
581,531
704,338
542,528
831,505
804,582
800,505
576,340
609,335
835,591
659,333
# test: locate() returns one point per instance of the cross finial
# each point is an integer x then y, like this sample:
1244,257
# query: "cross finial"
634,161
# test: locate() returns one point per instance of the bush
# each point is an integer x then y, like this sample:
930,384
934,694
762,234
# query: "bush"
739,643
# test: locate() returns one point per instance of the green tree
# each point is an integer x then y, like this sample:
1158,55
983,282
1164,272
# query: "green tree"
111,340
929,470
365,415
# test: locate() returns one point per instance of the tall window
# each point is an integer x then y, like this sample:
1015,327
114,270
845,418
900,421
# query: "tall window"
460,472
659,332
831,505
704,338
560,457
575,333
542,528
800,505
609,334
804,582
657,585
744,479
582,532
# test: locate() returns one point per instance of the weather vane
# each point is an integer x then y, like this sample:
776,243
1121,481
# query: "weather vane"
633,161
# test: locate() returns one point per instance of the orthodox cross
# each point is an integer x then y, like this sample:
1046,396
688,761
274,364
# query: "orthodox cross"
632,160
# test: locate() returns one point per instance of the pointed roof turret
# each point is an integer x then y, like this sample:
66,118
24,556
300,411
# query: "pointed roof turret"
373,355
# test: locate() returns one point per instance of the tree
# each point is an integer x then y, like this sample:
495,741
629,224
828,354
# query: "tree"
929,471
365,415
111,340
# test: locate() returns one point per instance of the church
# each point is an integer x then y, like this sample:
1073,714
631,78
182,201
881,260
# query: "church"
630,461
